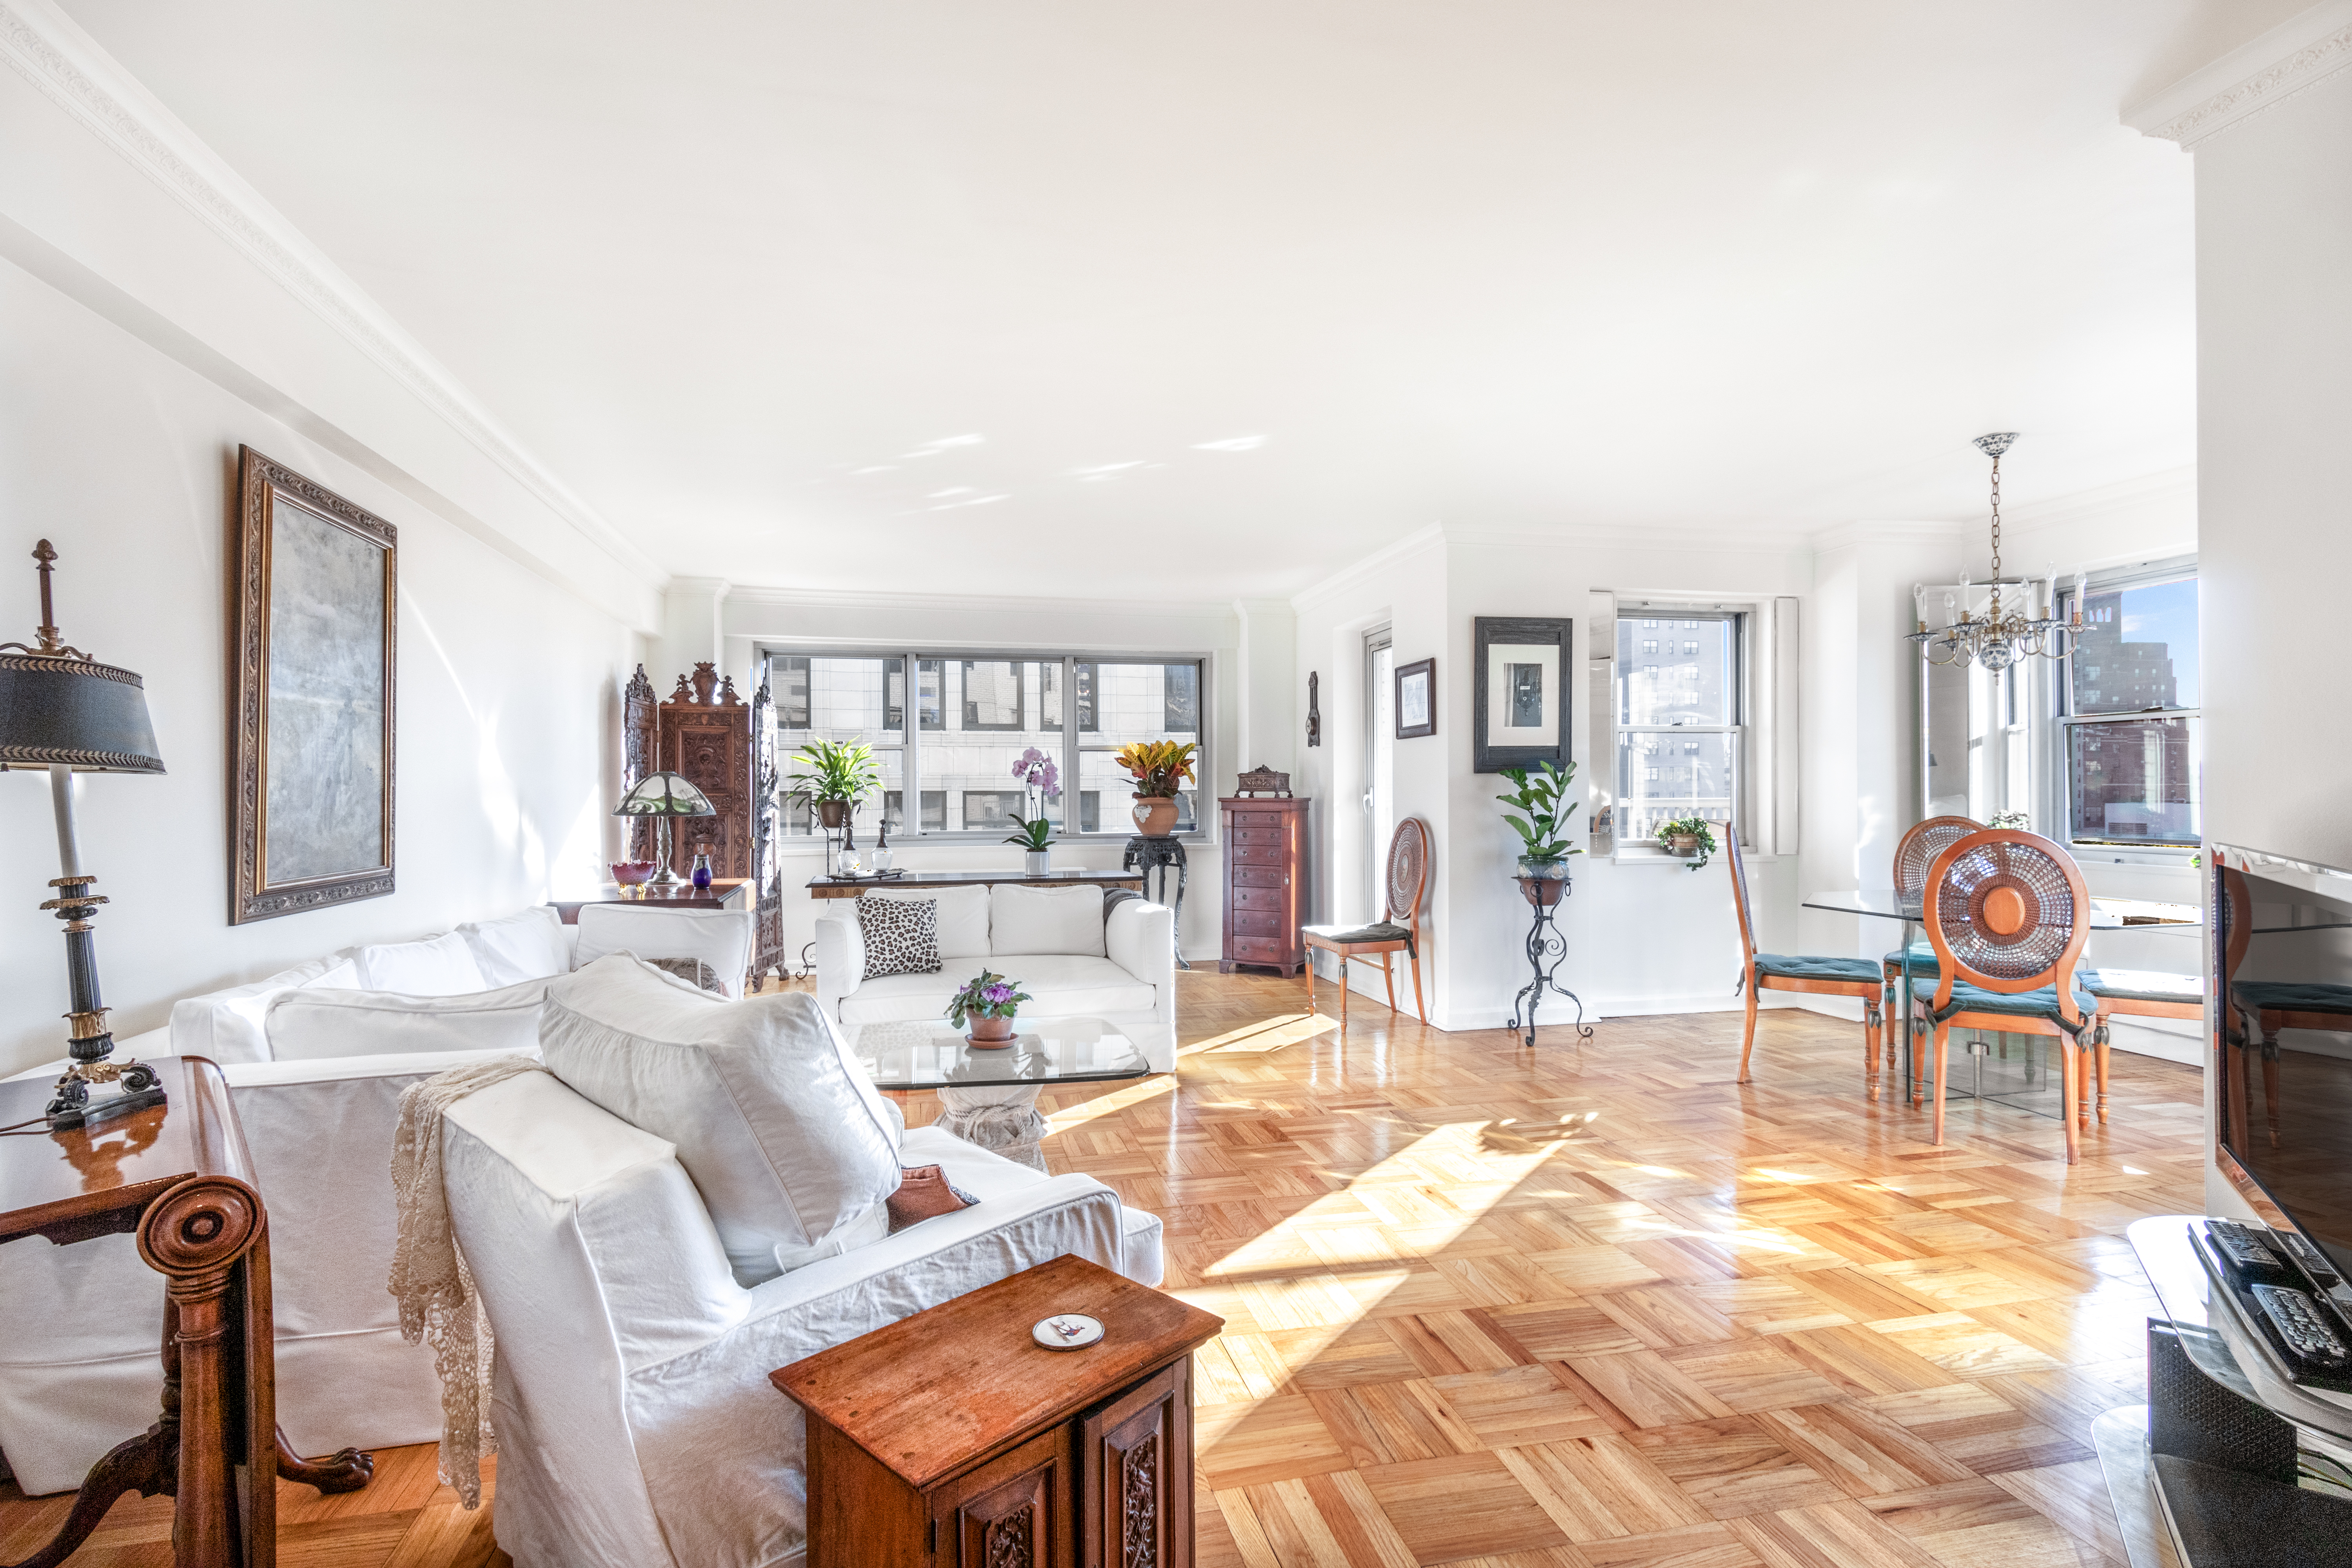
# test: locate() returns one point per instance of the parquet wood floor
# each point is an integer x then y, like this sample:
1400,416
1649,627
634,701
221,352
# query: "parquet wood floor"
1587,1306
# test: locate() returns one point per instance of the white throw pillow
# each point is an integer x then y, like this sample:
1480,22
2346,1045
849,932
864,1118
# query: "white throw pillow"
783,1134
440,966
528,944
963,918
227,1026
311,1025
1045,920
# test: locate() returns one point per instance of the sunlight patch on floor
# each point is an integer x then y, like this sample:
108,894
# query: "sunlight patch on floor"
1265,1034
1118,1099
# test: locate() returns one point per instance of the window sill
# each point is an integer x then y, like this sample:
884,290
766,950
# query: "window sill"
2131,855
814,848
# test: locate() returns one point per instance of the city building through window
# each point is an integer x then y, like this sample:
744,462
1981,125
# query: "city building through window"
1692,712
2130,712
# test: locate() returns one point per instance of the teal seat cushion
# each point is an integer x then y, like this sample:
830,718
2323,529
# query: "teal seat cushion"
1922,961
2042,1004
2292,995
2141,985
1784,967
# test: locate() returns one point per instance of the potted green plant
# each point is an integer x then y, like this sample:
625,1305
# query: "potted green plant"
1035,838
836,775
1161,769
989,1001
1539,814
1691,837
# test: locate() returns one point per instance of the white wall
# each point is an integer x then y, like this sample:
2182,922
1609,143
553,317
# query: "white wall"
2275,393
125,459
753,619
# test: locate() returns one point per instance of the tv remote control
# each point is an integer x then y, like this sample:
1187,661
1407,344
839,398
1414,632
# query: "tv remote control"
2246,1250
2316,1263
2297,1318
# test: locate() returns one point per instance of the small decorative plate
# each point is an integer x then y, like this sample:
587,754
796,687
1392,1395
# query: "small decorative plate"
1066,1331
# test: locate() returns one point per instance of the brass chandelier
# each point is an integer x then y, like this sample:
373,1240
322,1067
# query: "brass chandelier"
1999,640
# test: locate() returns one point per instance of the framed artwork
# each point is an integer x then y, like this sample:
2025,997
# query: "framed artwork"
1416,700
1520,694
312,673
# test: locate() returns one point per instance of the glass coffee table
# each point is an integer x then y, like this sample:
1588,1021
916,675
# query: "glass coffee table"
989,1095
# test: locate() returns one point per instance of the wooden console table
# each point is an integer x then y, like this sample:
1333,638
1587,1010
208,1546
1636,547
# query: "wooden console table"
178,1176
953,1439
826,888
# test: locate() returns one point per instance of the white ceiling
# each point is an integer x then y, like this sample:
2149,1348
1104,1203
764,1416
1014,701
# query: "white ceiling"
1207,300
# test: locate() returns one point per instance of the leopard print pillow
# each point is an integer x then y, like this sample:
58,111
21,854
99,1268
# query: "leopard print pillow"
902,936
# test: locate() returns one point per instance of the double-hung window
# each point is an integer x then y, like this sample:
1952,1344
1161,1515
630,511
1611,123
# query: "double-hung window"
2128,713
1680,720
973,718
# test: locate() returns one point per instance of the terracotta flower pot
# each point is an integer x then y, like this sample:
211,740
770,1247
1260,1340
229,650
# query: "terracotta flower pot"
832,813
1684,843
1545,892
993,1033
1155,815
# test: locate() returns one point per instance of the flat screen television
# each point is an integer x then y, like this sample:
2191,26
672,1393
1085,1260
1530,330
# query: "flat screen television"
2281,971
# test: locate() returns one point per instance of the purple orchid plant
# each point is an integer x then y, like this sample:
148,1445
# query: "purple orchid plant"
988,995
1036,771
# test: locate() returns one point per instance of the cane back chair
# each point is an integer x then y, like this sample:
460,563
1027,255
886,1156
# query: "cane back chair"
1856,978
2007,914
1914,853
1397,931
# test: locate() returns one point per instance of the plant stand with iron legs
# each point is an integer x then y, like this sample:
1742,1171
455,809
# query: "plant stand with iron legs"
1546,949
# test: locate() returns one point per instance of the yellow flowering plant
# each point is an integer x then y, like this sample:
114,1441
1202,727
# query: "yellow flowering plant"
1161,768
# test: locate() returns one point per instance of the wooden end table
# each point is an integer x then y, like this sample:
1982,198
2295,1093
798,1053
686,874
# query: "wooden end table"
177,1176
953,1439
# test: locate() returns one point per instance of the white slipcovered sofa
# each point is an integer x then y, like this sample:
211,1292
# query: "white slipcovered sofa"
316,1058
1078,951
636,1424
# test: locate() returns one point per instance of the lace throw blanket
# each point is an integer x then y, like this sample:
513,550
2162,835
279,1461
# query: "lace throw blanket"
429,1277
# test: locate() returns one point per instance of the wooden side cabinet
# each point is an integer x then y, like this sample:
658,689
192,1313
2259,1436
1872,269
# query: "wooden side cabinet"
967,1444
1266,881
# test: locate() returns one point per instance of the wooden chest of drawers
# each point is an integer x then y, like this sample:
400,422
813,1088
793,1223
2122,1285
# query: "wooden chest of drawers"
1266,882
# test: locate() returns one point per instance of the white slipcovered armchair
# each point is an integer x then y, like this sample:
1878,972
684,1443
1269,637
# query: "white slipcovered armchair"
636,1425
1078,956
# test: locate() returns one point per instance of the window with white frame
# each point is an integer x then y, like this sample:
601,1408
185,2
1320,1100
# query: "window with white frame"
974,717
1680,732
2129,719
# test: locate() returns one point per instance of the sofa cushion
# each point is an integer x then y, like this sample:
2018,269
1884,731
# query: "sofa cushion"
309,1024
1023,921
1061,985
783,1132
227,1026
901,936
528,944
964,917
440,966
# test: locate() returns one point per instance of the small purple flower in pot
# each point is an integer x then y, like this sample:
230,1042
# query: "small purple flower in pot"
997,995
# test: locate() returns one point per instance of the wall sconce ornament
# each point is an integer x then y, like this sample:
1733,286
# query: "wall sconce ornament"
1314,709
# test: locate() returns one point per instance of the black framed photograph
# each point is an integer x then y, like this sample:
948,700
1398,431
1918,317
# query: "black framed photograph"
1520,694
312,714
1416,700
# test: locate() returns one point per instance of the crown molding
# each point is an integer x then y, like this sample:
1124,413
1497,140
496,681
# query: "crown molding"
52,52
2167,487
1847,535
1338,582
873,599
2301,52
1627,536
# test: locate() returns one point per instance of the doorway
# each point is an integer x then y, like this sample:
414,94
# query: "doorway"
1379,767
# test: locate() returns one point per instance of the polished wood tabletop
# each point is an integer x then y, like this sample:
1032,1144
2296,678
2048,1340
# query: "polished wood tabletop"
829,888
932,1394
59,1184
724,893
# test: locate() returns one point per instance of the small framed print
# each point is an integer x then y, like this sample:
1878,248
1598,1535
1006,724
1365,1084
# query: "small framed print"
1520,694
1416,700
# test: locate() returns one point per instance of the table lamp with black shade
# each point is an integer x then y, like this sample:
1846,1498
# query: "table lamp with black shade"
62,710
664,796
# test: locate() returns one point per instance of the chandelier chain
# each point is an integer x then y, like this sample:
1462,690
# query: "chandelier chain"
1996,539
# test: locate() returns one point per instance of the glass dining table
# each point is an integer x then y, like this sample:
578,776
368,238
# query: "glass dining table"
1886,903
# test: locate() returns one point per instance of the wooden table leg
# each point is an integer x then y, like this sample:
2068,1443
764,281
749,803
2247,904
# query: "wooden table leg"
147,1464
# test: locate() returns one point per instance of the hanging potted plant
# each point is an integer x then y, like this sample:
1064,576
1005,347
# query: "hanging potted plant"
1692,838
1161,769
835,775
988,1002
1539,817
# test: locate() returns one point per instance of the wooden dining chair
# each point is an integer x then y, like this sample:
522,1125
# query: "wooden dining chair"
2008,914
1822,977
2136,993
1914,853
1397,931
